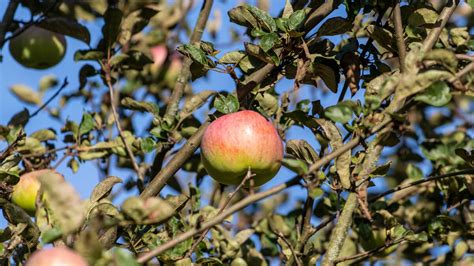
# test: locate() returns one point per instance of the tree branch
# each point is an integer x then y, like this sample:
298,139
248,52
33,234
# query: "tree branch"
443,18
415,183
185,73
7,20
397,21
64,85
318,14
339,233
361,256
229,198
108,80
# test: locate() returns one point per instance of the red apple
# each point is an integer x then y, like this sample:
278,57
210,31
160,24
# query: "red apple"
38,48
236,142
159,54
58,256
26,190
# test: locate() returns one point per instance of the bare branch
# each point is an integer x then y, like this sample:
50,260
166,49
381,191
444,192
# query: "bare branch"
415,183
397,21
443,18
185,73
64,85
7,20
108,79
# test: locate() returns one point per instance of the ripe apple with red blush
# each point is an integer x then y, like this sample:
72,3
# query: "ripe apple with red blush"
57,256
235,142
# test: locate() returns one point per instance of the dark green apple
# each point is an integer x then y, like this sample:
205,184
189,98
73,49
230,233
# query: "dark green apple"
38,48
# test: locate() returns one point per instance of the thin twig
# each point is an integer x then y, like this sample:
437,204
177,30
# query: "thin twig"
415,183
21,135
130,154
230,196
293,252
64,85
363,255
397,21
218,219
7,20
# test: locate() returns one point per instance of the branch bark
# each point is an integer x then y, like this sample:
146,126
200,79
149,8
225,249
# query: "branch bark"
185,73
443,18
397,21
7,20
318,14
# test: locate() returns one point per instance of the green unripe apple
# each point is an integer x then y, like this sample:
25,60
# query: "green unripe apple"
236,142
58,256
26,190
377,239
38,48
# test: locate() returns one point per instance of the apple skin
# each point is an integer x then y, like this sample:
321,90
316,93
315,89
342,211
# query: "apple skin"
57,256
26,190
234,142
159,53
38,48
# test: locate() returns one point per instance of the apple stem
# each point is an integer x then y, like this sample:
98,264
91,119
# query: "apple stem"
230,196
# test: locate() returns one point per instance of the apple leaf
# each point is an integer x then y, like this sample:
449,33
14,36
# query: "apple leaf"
343,162
104,188
111,28
67,26
302,150
334,26
226,105
438,94
63,202
26,94
296,165
339,113
86,125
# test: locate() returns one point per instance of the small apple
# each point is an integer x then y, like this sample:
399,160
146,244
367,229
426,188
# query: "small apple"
377,239
57,256
26,190
38,48
173,70
236,142
159,54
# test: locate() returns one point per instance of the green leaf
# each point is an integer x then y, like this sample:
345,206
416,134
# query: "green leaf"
47,82
86,125
334,26
302,150
67,26
328,71
44,135
195,53
73,164
296,165
135,22
296,19
123,257
422,16
414,172
103,189
147,145
226,105
149,107
51,235
233,57
111,29
339,113
471,3
264,19
63,201
269,41
94,55
343,162
26,94
383,37
438,94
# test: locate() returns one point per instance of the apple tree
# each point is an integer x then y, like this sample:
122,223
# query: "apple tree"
364,108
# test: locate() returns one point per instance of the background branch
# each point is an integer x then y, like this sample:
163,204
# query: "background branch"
397,21
443,18
7,20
